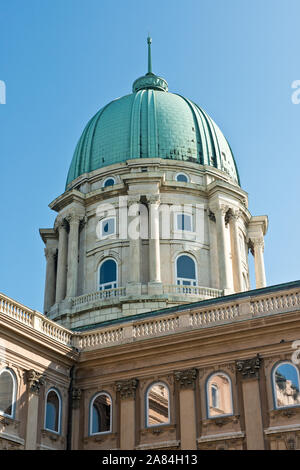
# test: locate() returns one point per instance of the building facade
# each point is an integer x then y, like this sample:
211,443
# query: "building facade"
151,337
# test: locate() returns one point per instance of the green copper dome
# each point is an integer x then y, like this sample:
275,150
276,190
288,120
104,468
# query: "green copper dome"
151,123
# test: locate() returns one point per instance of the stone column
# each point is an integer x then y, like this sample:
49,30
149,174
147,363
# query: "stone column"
134,267
187,409
258,250
127,390
155,286
61,276
223,254
49,298
237,258
34,382
76,399
214,270
249,373
74,221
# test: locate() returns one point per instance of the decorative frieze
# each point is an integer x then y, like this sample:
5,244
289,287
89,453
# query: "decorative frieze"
35,381
127,388
249,368
186,378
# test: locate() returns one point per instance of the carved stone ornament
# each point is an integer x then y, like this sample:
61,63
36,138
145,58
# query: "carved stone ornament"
211,216
228,216
127,388
249,368
186,378
35,381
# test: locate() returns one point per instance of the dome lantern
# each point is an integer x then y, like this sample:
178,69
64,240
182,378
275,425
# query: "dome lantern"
150,80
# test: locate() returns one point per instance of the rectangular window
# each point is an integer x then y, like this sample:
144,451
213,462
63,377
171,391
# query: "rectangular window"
108,227
184,222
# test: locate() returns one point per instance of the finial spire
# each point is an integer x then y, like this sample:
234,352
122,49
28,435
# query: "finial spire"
150,80
149,41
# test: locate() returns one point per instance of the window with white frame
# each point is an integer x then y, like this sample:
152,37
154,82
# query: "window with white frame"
286,385
108,227
184,222
110,181
53,411
8,387
108,274
182,178
101,414
219,395
186,271
157,405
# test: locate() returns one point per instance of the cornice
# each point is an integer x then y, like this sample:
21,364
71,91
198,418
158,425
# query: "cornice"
67,198
48,234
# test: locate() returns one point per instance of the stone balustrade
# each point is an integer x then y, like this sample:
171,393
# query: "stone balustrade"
190,317
203,292
35,320
99,295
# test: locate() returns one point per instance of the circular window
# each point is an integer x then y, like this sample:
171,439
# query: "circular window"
182,178
108,182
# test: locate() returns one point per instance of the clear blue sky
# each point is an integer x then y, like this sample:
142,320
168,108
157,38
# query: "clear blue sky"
62,60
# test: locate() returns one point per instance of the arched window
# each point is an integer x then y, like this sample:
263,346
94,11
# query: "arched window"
7,393
182,177
101,414
108,182
157,405
108,274
219,395
186,271
286,385
53,411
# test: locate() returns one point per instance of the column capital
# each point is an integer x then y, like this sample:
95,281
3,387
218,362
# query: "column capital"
60,223
74,218
133,199
186,378
249,368
256,242
219,207
153,199
50,253
35,381
235,213
127,388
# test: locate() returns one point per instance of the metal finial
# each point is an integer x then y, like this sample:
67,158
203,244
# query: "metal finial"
149,41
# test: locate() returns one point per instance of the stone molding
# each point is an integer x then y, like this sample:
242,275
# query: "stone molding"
127,388
186,378
249,368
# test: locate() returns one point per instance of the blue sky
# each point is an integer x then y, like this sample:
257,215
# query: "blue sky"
62,60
